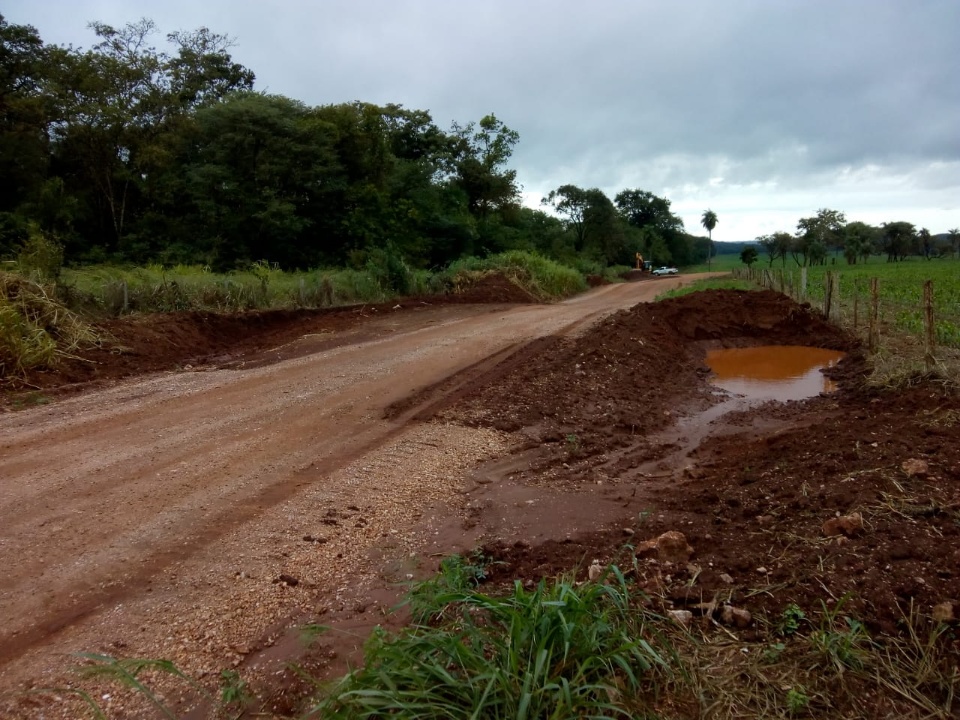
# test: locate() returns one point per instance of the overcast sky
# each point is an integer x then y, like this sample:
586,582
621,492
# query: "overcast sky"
761,110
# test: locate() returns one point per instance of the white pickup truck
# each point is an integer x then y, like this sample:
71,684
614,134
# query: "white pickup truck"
665,271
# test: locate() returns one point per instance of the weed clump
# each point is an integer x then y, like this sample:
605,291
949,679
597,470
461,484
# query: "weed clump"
35,329
556,650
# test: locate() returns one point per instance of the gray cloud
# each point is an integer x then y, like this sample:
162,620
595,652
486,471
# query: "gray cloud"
786,101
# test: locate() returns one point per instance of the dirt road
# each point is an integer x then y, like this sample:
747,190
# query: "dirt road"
186,514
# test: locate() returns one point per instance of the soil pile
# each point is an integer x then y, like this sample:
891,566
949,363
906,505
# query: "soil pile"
489,288
758,499
625,376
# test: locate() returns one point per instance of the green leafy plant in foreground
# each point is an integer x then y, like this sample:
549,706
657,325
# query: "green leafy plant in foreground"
555,651
563,650
790,620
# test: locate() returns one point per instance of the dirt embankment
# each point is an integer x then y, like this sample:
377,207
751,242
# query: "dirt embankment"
753,493
137,344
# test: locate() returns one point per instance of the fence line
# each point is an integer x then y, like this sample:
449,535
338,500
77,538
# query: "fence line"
910,329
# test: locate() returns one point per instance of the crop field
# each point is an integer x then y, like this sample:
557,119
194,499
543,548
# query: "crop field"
902,352
900,289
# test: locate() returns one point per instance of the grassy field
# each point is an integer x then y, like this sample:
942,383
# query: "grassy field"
713,284
720,263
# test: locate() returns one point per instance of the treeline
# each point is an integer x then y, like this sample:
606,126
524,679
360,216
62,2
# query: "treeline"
828,231
126,153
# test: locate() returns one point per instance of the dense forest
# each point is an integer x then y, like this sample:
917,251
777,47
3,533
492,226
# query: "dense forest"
126,153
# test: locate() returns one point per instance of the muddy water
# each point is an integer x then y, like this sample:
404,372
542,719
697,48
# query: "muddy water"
773,372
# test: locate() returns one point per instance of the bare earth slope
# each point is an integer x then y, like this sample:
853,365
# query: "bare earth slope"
190,515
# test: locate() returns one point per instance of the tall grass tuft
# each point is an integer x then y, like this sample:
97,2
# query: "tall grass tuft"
556,651
35,329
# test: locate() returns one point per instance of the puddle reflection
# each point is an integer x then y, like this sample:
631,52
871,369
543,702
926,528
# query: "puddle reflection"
773,372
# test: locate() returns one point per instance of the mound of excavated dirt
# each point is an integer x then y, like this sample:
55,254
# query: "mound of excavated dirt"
624,377
736,315
137,344
758,499
491,288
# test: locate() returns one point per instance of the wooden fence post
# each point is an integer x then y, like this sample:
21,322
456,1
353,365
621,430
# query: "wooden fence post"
835,296
827,295
930,336
873,337
856,304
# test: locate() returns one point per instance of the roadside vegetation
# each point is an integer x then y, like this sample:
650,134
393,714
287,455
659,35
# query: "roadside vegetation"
50,313
601,649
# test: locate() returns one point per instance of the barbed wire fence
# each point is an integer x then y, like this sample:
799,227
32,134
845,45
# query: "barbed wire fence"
904,328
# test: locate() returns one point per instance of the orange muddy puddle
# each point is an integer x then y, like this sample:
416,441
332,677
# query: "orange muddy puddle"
773,372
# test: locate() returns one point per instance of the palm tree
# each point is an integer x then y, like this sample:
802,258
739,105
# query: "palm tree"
954,234
709,221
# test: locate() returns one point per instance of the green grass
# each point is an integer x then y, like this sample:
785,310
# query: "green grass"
559,650
900,287
595,650
563,649
719,263
710,284
155,288
901,355
542,277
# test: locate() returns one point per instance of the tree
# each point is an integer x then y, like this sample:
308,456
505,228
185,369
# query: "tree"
816,235
899,240
479,157
597,227
571,202
860,241
749,255
118,105
255,174
25,115
660,227
925,241
776,245
954,235
709,221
